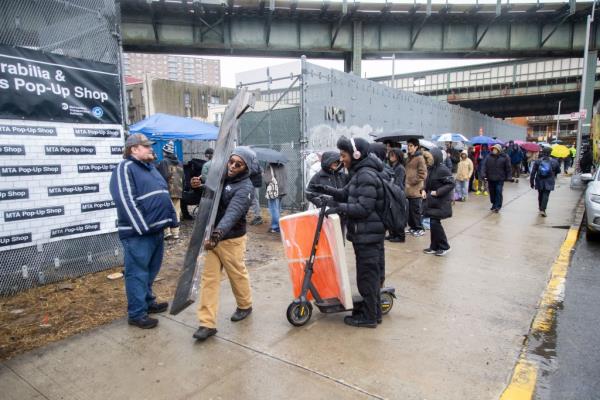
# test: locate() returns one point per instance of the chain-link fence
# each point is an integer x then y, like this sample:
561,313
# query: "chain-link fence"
278,130
75,28
84,29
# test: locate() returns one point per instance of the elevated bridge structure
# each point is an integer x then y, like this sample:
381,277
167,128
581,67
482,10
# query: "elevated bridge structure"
354,31
504,89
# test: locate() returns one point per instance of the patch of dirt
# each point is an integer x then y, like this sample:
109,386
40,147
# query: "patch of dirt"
46,314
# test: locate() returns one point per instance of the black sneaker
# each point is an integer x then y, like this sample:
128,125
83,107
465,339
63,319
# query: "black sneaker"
240,314
256,221
418,233
204,333
156,308
144,322
359,322
428,251
397,239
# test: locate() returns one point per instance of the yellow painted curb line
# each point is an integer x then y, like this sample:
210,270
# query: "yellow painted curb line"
522,383
523,380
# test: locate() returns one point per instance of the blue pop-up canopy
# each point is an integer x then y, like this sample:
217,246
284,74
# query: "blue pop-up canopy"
170,127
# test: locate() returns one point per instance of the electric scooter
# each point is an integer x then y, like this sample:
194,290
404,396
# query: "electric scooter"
300,310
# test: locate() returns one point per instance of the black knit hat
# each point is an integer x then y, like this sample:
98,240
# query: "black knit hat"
360,146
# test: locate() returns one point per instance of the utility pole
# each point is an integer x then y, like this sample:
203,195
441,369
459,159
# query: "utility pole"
576,178
558,120
394,70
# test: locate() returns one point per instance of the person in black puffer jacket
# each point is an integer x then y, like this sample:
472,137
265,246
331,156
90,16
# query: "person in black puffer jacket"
359,201
329,175
380,151
396,161
226,246
496,169
438,202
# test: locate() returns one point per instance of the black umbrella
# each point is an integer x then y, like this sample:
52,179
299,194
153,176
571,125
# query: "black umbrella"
270,155
398,136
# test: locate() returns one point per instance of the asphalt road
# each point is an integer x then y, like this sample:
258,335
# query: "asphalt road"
573,366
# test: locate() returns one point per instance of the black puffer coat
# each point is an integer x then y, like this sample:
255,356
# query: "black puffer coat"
440,181
360,199
399,171
497,167
236,197
326,176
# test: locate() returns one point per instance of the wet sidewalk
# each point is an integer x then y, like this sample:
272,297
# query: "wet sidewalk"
454,332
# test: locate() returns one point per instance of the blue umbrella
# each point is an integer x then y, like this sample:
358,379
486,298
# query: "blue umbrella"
450,137
484,140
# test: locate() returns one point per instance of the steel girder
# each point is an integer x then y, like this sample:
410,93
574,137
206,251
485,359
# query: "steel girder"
327,29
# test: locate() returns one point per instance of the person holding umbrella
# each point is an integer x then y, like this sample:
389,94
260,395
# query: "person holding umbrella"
543,177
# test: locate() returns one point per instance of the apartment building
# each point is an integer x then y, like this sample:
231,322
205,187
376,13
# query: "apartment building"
195,70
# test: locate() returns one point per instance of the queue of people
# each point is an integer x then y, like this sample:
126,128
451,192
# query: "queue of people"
148,196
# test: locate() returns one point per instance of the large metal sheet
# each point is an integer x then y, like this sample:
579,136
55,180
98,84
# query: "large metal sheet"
189,280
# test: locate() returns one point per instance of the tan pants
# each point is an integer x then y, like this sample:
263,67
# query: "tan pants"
176,204
229,255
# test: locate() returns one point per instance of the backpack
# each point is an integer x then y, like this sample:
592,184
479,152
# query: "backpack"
545,169
394,213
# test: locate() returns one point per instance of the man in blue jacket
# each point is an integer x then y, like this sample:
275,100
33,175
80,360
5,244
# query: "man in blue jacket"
144,209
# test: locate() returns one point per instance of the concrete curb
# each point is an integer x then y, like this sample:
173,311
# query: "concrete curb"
523,380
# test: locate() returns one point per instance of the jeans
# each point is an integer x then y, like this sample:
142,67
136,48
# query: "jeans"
274,210
543,197
143,256
496,193
256,203
439,241
462,188
415,214
368,281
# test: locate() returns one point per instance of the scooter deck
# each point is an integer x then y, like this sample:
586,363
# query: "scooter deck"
330,276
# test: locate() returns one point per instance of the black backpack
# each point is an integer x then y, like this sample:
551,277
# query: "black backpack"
394,212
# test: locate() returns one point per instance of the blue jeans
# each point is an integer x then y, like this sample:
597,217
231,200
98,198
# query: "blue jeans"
143,257
462,188
274,209
496,193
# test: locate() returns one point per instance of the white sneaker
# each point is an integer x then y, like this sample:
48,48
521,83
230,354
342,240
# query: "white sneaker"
441,253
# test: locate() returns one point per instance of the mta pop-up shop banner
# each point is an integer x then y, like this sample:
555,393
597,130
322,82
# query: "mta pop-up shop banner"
49,87
54,176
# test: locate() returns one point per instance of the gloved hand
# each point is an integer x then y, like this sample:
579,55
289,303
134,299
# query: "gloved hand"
318,202
317,187
332,210
213,240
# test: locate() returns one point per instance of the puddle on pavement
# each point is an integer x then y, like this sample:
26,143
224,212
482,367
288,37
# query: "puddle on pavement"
542,349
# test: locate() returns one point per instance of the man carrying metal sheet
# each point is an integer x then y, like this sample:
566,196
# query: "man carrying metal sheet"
226,246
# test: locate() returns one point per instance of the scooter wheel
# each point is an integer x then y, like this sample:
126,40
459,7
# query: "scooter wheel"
299,314
387,302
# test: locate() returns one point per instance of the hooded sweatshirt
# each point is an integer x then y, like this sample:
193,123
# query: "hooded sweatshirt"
326,176
465,168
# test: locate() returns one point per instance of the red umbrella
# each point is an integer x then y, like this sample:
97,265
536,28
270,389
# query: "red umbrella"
530,146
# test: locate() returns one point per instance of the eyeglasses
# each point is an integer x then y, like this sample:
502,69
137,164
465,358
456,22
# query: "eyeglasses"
235,164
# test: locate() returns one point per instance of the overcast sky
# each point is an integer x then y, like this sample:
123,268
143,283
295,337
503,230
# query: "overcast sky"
371,68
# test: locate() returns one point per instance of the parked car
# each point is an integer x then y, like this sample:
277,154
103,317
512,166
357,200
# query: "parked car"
592,204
